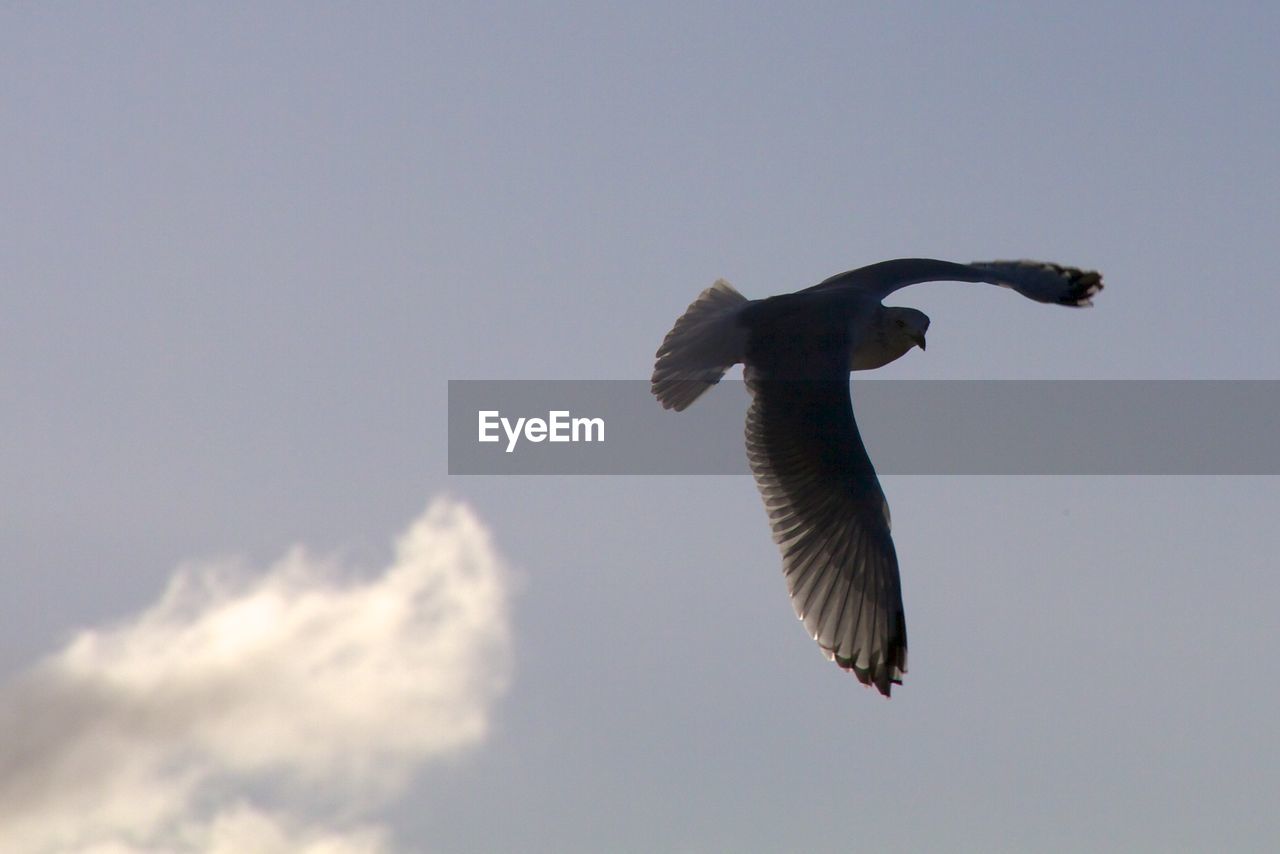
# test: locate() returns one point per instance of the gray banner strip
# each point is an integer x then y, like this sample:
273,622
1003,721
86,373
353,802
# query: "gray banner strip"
953,427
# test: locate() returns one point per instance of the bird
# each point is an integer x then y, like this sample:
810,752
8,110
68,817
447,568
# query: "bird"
826,509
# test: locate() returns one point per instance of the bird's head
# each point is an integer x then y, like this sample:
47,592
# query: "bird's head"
906,327
893,332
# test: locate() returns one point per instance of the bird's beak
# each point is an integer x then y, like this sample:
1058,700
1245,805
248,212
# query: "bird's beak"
918,338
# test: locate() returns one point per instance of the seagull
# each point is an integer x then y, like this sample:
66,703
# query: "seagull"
826,508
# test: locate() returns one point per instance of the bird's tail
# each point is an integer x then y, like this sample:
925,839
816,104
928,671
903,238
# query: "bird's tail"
706,341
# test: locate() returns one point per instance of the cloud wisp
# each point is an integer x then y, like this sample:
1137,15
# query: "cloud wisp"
238,706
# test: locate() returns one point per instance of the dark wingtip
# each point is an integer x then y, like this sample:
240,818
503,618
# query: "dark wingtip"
1084,286
879,675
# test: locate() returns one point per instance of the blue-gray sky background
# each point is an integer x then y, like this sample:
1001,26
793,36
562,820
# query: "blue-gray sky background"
244,247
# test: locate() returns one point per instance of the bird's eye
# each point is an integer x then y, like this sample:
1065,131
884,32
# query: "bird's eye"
901,324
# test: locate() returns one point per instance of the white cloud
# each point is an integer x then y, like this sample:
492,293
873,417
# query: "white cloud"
212,720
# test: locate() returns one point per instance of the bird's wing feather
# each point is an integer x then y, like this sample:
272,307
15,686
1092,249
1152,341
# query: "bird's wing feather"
825,504
1037,280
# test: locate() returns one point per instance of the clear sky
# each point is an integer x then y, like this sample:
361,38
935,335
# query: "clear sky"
244,246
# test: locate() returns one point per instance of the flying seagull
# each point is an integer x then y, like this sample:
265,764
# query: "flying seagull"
827,510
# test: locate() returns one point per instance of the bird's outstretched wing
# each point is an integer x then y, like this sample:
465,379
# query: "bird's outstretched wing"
825,505
1037,280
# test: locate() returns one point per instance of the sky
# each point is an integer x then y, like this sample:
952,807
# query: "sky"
245,246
